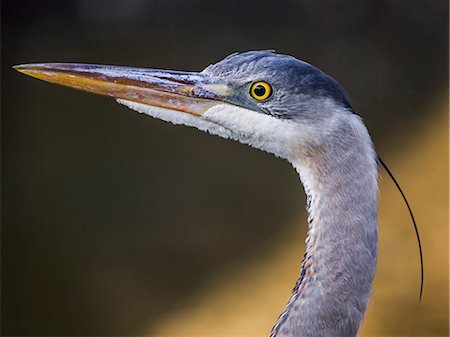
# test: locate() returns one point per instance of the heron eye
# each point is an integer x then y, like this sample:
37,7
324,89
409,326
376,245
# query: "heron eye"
260,90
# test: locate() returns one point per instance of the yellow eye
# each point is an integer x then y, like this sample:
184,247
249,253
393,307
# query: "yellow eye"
260,90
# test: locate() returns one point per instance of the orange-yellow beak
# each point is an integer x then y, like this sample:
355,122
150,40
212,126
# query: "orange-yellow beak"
175,90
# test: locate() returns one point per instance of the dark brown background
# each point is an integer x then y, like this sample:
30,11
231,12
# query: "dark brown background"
111,219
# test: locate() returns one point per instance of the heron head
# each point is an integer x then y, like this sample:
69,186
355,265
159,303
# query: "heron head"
270,101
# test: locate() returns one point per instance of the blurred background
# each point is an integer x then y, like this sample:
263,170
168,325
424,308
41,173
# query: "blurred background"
117,224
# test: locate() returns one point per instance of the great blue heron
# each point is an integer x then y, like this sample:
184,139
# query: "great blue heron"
287,107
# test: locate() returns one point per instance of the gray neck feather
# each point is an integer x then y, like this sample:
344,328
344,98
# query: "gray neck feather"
340,180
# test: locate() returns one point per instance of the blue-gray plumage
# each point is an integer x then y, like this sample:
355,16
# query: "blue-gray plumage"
289,108
300,79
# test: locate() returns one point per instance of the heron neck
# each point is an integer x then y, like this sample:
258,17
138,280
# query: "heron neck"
331,295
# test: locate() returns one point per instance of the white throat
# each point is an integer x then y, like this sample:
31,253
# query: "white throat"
282,137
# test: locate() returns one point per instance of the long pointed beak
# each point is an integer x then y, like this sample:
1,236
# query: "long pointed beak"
175,90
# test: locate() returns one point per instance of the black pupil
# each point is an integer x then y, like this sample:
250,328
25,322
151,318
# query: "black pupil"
259,90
